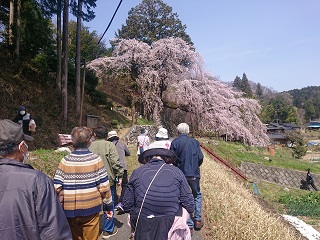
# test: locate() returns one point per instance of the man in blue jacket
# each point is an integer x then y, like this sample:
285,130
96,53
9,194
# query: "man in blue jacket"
29,205
191,157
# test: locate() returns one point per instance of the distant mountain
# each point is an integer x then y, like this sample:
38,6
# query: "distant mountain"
297,105
307,98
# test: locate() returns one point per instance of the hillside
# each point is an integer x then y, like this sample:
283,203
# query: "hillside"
35,91
307,98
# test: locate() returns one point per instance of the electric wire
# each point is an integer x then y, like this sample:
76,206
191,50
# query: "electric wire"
115,12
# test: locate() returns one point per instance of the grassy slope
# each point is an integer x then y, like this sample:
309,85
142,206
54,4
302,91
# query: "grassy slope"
43,103
233,212
237,153
296,202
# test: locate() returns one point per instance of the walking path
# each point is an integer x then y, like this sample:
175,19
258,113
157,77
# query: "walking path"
120,222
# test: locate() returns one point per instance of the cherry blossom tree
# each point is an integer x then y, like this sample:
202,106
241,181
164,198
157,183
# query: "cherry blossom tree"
170,74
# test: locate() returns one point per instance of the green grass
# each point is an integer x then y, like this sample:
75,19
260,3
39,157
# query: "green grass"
237,153
296,202
143,121
302,204
45,160
132,160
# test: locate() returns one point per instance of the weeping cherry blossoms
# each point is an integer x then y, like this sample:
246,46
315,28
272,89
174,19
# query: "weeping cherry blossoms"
170,74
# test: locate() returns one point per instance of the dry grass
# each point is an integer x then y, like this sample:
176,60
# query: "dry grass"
232,212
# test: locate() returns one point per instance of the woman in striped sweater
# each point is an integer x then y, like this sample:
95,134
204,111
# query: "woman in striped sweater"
82,184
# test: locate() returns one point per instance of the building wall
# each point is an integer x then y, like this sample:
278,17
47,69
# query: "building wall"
281,176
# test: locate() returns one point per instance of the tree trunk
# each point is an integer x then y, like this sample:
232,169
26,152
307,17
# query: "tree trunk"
82,92
64,68
133,114
18,26
78,44
58,74
11,19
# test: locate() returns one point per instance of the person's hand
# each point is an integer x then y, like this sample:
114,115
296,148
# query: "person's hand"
109,214
119,182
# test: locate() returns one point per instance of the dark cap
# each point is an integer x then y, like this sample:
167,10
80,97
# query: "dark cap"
142,130
20,108
11,134
157,152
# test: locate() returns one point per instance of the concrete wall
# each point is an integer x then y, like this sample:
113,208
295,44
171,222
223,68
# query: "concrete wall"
281,176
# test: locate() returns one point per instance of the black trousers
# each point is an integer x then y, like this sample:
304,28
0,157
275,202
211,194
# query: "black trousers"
123,187
312,185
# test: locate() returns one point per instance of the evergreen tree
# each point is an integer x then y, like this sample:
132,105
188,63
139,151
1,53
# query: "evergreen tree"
31,31
90,49
245,86
88,5
259,91
152,20
237,83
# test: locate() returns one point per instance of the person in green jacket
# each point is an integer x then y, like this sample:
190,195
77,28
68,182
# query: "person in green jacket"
108,152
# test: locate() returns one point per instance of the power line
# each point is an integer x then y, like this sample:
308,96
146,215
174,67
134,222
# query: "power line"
110,21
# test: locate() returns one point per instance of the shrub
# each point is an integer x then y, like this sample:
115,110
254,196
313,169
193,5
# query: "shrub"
299,151
114,124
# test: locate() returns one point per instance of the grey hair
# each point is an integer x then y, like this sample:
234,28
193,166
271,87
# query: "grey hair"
81,137
183,128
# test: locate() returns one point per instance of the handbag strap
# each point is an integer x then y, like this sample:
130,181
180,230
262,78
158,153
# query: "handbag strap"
147,193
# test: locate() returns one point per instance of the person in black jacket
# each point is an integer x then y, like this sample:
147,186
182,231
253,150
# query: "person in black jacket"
310,181
25,120
29,206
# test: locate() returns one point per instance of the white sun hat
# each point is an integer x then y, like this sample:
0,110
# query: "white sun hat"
112,134
162,133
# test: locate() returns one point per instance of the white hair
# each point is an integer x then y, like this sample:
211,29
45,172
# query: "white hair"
183,128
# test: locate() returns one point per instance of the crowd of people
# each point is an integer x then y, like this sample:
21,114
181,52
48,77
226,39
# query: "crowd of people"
162,196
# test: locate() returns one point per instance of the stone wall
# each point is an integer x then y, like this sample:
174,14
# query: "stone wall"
281,176
134,132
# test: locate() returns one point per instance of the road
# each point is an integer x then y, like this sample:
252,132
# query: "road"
124,229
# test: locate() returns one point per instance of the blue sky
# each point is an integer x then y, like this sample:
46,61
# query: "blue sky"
275,42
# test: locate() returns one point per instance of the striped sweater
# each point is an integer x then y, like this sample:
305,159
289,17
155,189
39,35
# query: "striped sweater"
84,181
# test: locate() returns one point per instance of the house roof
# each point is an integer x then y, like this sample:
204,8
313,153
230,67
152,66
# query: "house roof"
282,126
312,124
